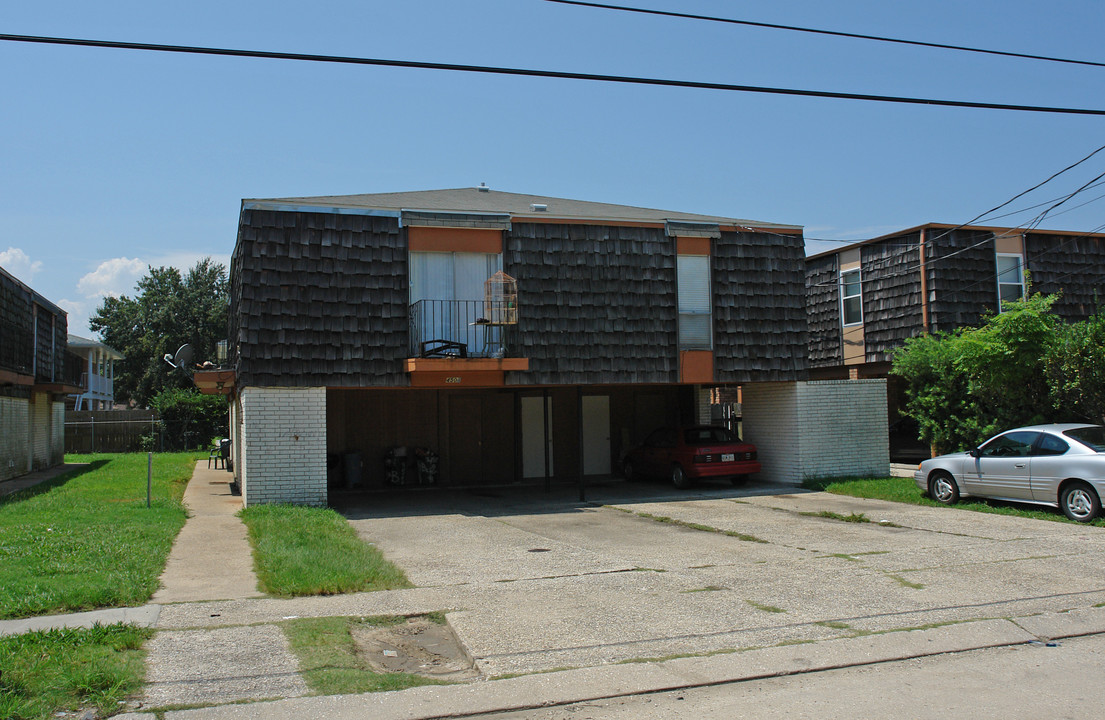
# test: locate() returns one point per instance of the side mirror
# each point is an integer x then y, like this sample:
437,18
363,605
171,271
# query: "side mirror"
973,452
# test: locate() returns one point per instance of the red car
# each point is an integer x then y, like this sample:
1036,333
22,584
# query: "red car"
686,454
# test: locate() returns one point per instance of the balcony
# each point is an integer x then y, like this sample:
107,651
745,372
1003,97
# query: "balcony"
463,343
463,329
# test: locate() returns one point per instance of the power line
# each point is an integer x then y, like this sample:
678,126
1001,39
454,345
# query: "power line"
834,33
524,72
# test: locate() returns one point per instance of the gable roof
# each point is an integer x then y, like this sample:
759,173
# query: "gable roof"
518,206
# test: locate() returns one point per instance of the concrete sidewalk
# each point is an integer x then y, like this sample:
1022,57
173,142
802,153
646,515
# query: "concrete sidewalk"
612,681
211,558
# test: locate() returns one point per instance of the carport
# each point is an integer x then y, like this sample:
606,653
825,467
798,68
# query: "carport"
492,436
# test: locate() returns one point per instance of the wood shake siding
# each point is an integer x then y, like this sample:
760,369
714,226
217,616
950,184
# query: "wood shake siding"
320,299
596,304
759,307
823,305
1071,265
891,287
964,287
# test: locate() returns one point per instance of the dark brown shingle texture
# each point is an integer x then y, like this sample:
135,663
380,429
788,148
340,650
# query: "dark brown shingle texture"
596,303
759,307
891,286
319,299
823,309
1071,265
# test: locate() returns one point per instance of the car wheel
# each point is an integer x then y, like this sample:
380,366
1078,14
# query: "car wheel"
739,479
628,472
942,488
1079,502
679,478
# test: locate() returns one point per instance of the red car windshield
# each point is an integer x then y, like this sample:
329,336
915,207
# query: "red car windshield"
708,436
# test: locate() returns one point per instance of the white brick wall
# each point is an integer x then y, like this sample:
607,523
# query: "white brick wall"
283,458
15,445
831,428
769,420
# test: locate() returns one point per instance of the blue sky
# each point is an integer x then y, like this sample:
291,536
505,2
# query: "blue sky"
113,160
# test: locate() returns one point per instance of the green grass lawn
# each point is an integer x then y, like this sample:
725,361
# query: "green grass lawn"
86,539
312,551
47,673
904,490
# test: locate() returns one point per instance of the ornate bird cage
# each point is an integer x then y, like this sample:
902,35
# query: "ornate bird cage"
500,299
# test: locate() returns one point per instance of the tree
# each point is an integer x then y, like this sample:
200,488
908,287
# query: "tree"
168,311
938,393
190,419
1004,361
1075,369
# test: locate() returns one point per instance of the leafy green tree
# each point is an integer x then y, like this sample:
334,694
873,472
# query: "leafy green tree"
191,419
938,393
1004,360
168,311
1075,370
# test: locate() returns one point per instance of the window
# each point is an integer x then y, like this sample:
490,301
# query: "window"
695,326
1010,279
851,297
447,300
1051,445
1014,444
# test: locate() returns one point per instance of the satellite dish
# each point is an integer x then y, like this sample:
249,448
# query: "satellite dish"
183,357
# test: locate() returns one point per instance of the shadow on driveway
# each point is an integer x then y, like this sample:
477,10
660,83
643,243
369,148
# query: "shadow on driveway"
535,499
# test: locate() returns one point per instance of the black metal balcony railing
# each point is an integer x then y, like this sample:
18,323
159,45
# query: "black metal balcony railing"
462,328
17,347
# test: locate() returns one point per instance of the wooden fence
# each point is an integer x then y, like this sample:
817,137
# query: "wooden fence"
111,430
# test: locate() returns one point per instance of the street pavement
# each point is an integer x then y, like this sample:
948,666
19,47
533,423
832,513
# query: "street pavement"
639,589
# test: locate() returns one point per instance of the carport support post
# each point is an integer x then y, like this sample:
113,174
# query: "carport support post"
545,426
579,420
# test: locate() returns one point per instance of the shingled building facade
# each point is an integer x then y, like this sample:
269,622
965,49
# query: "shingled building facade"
36,372
470,337
867,299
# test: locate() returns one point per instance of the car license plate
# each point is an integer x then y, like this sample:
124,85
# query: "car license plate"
728,457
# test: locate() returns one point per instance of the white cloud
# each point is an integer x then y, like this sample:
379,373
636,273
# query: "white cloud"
113,277
19,264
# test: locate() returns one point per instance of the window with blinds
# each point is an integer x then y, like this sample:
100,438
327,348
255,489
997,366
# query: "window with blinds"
695,302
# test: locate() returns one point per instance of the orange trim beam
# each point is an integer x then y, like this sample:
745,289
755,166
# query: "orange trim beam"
439,239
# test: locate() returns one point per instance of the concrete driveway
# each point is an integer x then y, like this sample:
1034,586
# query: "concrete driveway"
538,581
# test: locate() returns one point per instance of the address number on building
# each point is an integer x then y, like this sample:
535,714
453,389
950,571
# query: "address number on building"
452,380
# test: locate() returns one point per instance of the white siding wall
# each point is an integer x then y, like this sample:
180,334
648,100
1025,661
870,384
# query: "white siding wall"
41,411
15,445
832,428
284,445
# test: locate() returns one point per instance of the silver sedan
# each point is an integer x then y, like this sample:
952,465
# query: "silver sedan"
1058,465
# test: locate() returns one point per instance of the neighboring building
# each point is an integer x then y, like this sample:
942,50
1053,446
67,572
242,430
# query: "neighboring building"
866,299
516,338
36,373
97,374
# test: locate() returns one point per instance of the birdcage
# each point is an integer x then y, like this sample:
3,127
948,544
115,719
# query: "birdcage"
500,299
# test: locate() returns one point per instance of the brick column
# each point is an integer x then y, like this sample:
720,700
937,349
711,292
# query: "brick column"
283,458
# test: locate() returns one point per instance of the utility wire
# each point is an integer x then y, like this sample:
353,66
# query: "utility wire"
524,72
834,33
